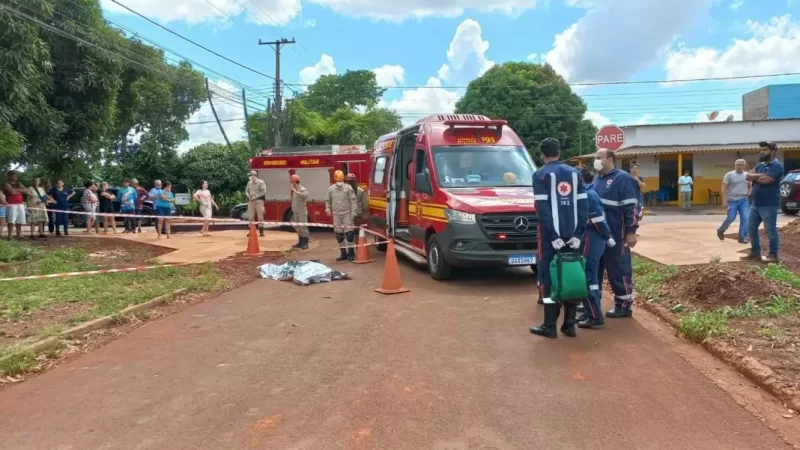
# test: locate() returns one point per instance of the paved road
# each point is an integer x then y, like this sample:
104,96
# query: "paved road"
446,366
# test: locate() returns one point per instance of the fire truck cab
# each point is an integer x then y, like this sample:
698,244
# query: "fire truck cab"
455,191
315,166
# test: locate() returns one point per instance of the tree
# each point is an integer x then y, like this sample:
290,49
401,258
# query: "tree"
351,90
535,100
225,170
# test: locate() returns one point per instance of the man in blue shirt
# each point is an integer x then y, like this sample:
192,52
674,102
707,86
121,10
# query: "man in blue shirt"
61,195
766,199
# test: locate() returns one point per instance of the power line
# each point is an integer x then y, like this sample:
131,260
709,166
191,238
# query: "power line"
588,84
193,42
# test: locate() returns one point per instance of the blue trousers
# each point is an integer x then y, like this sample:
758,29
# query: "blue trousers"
768,215
742,208
617,262
62,219
592,249
546,254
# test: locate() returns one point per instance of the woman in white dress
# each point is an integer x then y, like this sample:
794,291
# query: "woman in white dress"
203,196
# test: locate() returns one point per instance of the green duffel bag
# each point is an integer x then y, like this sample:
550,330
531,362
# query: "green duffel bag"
568,278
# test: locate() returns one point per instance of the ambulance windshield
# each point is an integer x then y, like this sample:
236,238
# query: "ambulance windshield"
482,166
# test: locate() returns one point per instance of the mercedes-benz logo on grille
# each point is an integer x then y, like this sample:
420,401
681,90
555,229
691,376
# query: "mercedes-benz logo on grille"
521,224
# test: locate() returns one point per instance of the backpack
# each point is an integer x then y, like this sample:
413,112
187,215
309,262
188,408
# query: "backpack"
568,278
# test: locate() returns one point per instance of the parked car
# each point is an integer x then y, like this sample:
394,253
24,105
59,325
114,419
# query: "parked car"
240,212
79,220
790,193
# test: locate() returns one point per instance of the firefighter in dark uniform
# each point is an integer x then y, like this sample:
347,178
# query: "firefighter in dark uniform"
563,211
617,192
598,237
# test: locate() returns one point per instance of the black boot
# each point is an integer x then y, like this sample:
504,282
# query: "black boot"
568,327
548,328
351,254
299,243
619,312
304,243
343,256
261,231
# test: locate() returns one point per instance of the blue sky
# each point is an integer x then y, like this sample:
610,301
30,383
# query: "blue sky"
443,44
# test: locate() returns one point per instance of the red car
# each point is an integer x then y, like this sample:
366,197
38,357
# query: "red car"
790,193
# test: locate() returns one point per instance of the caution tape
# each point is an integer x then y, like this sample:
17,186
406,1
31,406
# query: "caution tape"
203,219
93,272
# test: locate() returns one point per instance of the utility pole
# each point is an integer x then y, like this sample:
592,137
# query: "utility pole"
216,117
276,46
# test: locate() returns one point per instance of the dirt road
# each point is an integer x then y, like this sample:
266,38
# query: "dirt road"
447,366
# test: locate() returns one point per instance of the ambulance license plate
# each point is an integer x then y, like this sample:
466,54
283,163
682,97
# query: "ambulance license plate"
521,260
791,205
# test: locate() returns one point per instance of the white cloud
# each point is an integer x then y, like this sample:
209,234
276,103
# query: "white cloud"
396,11
418,103
773,47
310,74
209,132
269,12
532,57
310,23
580,3
736,4
721,116
388,75
618,38
466,60
597,119
466,55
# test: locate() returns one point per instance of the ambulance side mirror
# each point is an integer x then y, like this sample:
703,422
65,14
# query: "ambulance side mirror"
422,184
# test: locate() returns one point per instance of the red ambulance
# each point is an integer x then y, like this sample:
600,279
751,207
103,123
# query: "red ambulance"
315,166
455,191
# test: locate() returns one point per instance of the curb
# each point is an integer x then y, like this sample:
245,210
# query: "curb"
94,325
748,366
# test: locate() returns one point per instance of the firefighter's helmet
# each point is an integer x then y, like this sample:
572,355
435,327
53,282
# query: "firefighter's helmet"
294,178
338,176
350,177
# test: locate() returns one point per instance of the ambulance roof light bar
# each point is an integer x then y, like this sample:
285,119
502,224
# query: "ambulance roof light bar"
499,124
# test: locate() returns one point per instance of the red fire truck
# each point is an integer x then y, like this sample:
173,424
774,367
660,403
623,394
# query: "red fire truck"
455,191
315,166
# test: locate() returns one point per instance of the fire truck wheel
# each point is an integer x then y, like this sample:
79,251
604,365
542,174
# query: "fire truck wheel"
437,266
380,244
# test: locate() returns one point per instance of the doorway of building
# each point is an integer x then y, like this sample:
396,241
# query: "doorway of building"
668,176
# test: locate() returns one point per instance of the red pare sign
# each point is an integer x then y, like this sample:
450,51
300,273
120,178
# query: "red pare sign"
610,137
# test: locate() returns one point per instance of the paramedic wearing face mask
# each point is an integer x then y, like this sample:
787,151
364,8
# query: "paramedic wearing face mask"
563,212
342,206
617,192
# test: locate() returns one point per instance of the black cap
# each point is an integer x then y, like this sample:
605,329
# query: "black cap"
770,145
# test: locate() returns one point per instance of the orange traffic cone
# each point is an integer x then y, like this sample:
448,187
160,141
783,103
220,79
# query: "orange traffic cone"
362,253
402,209
252,243
391,283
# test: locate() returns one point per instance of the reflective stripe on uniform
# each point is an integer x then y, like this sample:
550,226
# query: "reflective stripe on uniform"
598,219
629,201
554,204
548,301
575,201
542,197
594,287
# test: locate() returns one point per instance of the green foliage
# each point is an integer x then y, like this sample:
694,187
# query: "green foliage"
779,272
701,326
226,170
537,103
353,89
66,105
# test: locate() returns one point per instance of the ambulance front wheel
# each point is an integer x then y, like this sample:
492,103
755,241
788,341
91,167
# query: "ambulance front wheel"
437,266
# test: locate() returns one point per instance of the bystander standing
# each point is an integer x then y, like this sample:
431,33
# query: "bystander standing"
60,196
735,192
37,208
163,204
141,196
89,202
685,184
766,179
15,207
128,199
206,200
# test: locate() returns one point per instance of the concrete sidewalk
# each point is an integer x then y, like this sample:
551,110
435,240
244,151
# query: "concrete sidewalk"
676,240
447,366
